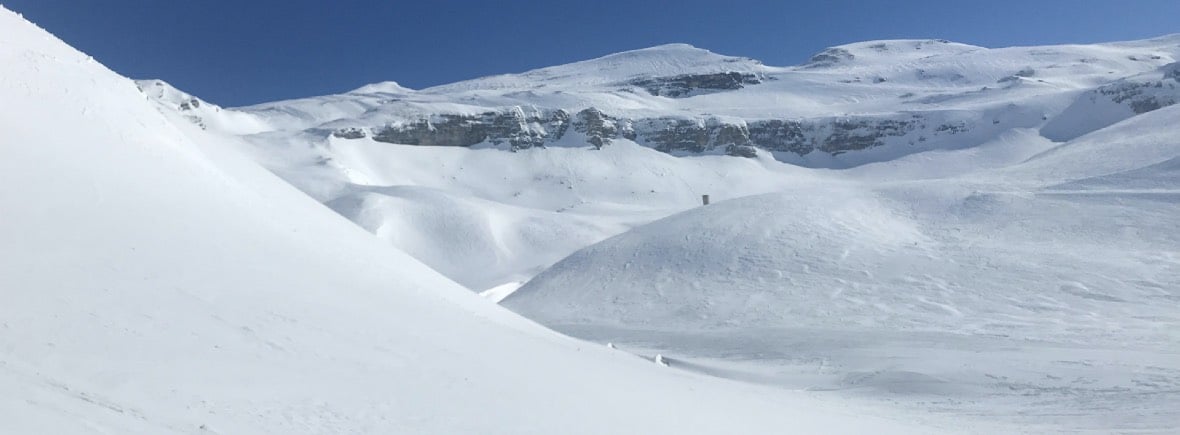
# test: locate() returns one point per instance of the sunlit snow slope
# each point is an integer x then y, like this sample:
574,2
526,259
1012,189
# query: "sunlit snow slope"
1044,292
154,281
971,230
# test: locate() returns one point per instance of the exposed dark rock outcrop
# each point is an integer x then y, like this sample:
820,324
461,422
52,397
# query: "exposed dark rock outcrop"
598,127
190,104
670,134
830,57
853,135
833,136
1172,71
445,130
522,129
1024,73
782,135
349,133
689,84
748,151
516,127
1144,96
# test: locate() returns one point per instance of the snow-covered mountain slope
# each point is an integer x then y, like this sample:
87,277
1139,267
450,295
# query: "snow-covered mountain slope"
156,281
200,112
1058,267
889,97
808,238
1134,145
592,137
921,202
488,217
1116,101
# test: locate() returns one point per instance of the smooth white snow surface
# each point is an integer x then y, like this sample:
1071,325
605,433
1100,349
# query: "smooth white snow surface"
1023,268
1045,292
155,281
1022,272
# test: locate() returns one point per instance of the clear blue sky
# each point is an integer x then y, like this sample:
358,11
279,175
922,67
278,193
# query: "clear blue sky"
237,52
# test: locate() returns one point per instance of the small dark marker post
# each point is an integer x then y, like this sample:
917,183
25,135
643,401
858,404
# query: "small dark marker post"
704,199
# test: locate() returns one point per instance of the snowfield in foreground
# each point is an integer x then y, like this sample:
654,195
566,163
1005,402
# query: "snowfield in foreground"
156,281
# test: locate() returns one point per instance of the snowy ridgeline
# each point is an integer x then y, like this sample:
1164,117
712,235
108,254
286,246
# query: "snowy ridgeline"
849,105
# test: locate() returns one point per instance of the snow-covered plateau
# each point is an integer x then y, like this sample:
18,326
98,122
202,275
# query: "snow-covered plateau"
905,236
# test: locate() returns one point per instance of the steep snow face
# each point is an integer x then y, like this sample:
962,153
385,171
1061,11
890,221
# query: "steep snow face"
155,281
1117,101
1039,279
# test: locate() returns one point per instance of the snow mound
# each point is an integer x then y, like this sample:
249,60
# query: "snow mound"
992,293
387,87
902,258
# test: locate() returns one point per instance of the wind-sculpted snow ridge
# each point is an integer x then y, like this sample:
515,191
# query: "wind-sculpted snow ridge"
154,280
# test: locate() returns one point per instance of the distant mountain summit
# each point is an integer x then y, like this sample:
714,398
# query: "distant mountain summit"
848,105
